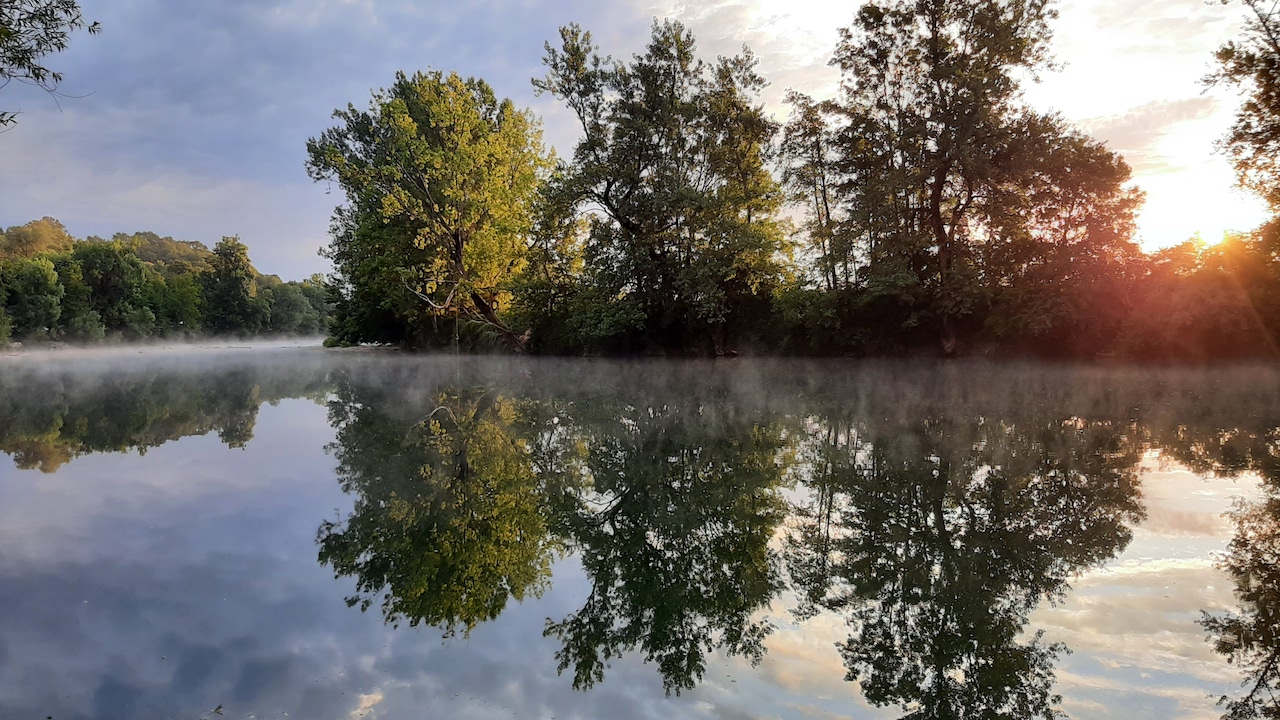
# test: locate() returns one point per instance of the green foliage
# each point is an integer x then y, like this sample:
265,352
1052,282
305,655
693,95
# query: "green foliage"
30,30
291,312
144,285
440,177
115,280
166,253
84,327
34,295
36,237
230,291
449,521
683,242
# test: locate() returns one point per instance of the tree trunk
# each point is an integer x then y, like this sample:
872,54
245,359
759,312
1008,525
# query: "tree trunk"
518,343
943,239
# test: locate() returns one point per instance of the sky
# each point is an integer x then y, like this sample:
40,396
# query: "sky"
189,118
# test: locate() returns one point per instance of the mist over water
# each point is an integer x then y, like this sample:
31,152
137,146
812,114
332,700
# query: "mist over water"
275,528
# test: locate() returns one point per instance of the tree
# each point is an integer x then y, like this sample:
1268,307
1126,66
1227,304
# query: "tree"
30,30
1252,65
46,235
231,300
165,252
440,178
810,175
34,295
684,241
940,158
291,313
114,282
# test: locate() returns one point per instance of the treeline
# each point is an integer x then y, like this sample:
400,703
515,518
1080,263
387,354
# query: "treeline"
55,287
924,209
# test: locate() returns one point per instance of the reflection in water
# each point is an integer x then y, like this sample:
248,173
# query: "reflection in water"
934,530
448,522
52,417
1250,638
935,538
671,510
669,503
932,510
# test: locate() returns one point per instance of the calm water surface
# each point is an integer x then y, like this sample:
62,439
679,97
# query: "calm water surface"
317,535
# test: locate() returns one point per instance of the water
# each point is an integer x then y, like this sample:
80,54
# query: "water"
277,532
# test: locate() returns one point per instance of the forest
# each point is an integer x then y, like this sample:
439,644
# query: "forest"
927,209
54,287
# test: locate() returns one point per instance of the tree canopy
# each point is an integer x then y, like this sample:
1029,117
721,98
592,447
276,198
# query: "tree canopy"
54,287
440,178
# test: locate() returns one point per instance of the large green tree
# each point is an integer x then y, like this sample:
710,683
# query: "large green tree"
683,246
440,177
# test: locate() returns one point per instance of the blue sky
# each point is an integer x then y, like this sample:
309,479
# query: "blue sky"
190,118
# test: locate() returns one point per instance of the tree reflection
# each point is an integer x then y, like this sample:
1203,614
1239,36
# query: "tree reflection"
52,418
1250,639
672,512
448,521
669,502
936,538
937,524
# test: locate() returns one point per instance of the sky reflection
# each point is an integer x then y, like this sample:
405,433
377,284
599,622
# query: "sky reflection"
165,583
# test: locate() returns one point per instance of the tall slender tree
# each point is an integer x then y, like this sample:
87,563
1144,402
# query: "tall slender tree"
671,167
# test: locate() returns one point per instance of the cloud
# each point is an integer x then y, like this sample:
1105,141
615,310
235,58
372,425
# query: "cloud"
1139,133
189,118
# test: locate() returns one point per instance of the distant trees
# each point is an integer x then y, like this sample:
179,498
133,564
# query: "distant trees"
33,296
45,235
54,287
30,30
441,178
